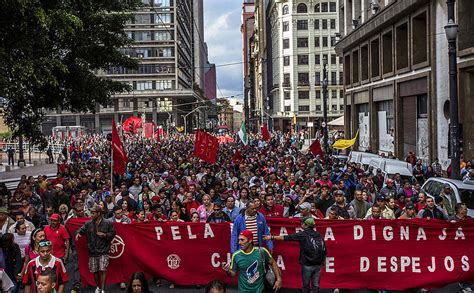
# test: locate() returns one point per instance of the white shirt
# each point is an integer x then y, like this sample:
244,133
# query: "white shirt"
22,241
7,283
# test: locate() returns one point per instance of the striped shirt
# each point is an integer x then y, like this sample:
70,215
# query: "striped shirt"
251,225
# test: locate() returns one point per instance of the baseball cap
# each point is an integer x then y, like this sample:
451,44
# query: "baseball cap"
380,198
248,234
409,206
59,186
446,185
55,217
309,222
305,205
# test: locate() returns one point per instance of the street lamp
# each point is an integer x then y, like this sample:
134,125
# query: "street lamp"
186,116
325,113
451,30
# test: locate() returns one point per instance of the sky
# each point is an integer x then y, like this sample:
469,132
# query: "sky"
222,20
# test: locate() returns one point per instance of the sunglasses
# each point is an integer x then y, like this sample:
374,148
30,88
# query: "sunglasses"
44,243
216,210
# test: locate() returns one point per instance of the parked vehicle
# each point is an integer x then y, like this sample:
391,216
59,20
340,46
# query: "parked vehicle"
464,192
391,167
362,158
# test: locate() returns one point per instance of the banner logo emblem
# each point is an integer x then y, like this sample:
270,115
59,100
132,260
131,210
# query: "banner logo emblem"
117,247
173,261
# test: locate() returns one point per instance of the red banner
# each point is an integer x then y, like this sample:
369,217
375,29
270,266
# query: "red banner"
385,254
206,146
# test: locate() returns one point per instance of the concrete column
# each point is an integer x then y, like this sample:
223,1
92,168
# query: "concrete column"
58,120
97,122
78,119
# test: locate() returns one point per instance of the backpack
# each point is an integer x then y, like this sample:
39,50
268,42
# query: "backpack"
314,250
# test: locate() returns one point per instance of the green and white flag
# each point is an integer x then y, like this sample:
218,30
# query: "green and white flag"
243,134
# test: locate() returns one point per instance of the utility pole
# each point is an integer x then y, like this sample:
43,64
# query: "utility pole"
325,111
451,30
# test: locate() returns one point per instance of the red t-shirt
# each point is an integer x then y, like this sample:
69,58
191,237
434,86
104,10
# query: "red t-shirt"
276,211
34,268
57,238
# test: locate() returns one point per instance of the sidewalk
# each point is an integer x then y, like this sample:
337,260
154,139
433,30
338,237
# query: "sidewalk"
17,172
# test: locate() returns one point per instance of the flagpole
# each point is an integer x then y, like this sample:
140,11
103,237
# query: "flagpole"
111,167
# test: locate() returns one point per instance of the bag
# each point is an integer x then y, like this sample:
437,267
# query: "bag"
314,250
270,278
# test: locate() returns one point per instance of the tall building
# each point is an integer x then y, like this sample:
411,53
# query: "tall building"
396,76
247,28
302,35
169,43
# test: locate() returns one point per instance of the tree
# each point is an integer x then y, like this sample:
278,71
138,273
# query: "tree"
50,52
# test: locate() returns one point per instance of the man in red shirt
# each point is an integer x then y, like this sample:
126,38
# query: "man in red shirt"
59,237
270,209
45,261
190,203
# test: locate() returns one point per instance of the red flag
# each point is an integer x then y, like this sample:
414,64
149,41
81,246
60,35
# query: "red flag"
265,133
149,129
237,157
119,155
206,146
316,149
132,124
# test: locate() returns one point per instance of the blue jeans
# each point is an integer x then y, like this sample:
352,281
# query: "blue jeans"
310,274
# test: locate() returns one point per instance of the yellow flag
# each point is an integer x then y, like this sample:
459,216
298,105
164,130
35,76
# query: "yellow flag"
342,144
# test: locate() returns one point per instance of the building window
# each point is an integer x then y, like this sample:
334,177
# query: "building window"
332,6
317,59
334,108
325,42
303,95
317,8
333,79
333,41
285,10
317,78
286,60
341,107
302,59
325,56
303,78
302,24
318,94
334,94
286,26
316,42
286,43
286,78
332,24
303,108
301,8
333,59
316,24
341,79
422,106
325,24
324,7
287,108
287,96
302,42
318,108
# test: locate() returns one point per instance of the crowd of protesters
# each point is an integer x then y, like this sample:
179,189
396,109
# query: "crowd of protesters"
165,182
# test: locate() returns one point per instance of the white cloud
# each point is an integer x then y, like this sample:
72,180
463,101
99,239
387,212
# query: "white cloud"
222,20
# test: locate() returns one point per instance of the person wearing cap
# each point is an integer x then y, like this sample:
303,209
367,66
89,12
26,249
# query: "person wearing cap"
344,210
45,261
100,234
409,212
59,198
449,200
390,189
59,237
248,261
310,269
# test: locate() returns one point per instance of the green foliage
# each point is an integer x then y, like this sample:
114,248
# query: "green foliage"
50,51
